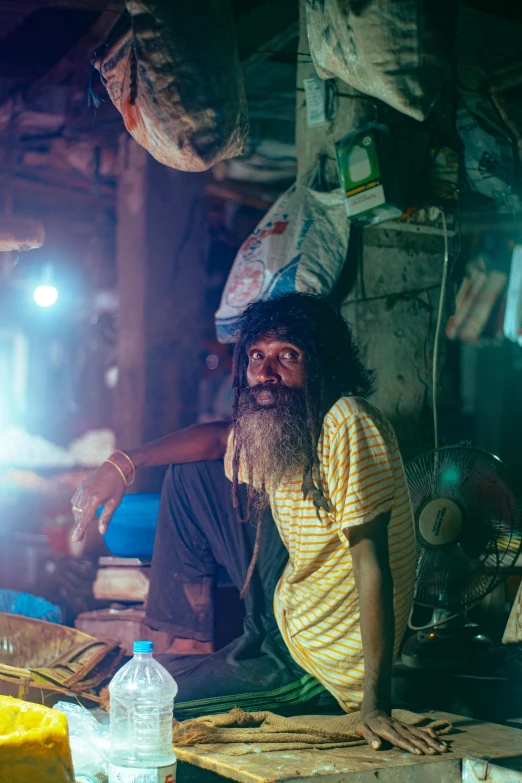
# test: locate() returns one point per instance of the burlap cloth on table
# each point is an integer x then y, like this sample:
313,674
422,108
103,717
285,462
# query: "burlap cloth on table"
237,733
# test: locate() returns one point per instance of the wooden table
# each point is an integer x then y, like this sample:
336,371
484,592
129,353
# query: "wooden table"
471,738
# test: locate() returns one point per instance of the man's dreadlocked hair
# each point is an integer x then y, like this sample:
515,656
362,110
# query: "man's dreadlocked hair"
334,369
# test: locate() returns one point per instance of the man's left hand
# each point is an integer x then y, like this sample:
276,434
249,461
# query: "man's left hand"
376,726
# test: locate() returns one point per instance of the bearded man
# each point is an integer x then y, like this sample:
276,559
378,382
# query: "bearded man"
303,499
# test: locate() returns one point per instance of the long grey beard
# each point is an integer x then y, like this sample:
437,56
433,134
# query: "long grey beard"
275,441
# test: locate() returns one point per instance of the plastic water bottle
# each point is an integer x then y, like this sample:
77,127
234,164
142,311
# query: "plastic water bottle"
142,704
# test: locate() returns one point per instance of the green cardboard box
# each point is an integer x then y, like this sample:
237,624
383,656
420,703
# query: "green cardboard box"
368,174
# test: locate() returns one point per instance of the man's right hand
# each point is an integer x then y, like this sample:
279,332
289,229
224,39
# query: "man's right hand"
105,487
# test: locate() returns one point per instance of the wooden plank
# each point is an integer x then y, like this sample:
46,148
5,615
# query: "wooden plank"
361,764
447,771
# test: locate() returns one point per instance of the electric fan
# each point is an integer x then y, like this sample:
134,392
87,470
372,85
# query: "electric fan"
468,518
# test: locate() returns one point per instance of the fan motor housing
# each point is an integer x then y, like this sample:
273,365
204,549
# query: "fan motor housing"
440,522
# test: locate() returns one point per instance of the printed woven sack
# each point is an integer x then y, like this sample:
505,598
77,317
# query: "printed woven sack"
300,245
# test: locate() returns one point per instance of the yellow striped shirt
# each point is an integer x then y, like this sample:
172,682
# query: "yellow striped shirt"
316,602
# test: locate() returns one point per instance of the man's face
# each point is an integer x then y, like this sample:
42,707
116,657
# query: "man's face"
271,426
274,362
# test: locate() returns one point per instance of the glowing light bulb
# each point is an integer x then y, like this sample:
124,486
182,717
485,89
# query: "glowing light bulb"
45,295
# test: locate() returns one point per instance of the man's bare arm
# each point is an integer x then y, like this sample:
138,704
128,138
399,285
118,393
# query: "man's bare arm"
369,550
106,487
192,444
373,578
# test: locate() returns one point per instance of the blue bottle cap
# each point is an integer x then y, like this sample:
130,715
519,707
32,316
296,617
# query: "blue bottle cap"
143,647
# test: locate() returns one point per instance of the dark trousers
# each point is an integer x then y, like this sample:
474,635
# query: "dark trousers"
198,531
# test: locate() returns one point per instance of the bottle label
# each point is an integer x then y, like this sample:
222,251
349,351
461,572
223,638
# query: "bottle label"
119,774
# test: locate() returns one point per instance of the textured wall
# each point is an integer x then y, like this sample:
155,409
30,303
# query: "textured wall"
392,309
397,273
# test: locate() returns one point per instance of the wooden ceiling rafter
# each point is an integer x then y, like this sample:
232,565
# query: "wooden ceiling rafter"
271,47
72,68
67,179
14,12
511,10
45,183
246,193
38,189
80,53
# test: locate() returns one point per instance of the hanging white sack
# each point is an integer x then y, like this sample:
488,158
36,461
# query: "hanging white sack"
300,245
395,50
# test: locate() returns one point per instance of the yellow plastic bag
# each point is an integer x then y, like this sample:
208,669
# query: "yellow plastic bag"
34,744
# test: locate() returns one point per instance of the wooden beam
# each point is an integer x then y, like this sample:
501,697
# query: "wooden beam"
82,51
161,258
131,265
505,9
42,191
275,44
251,195
259,24
11,16
63,179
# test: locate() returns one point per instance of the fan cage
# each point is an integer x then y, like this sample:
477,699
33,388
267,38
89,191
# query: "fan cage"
459,574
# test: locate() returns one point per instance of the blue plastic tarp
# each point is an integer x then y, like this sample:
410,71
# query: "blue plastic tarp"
29,605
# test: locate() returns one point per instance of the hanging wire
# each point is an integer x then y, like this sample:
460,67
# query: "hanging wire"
438,328
442,298
436,623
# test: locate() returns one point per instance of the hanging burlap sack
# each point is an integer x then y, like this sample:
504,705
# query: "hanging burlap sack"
172,70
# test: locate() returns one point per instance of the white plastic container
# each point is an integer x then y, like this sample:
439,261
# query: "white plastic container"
142,704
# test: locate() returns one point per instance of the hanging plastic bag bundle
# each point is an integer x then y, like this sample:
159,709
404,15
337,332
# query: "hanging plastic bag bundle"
489,160
300,245
395,50
173,71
